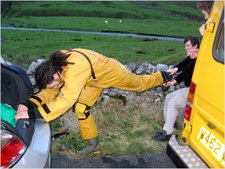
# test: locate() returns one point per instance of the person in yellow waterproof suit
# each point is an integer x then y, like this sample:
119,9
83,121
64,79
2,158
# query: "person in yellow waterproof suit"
75,78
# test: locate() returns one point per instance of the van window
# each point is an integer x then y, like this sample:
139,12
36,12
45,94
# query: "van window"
218,49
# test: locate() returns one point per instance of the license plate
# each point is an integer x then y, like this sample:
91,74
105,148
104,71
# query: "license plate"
212,144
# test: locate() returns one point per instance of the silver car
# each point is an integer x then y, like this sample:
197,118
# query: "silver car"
28,144
15,152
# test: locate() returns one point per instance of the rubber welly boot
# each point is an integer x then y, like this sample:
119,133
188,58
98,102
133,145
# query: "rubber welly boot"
93,147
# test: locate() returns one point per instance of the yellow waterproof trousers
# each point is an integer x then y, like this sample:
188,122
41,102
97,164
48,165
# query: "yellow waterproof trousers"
116,76
87,123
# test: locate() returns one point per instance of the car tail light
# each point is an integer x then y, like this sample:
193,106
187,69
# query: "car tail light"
12,148
190,100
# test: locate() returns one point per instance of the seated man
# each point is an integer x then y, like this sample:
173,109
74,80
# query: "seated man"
75,78
176,101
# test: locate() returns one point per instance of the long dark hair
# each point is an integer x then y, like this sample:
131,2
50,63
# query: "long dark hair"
205,5
45,71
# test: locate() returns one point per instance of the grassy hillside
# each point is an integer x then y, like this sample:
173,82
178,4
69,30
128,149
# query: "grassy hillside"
159,18
177,28
177,19
110,9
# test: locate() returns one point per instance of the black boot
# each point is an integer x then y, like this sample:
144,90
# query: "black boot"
166,76
161,136
93,147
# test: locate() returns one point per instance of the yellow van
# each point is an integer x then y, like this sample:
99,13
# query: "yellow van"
201,144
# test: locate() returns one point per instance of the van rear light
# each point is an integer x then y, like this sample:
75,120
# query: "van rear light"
191,94
187,114
12,148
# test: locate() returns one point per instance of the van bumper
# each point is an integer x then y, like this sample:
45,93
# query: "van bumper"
183,156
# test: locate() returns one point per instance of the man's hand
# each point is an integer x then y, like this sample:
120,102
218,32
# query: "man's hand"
170,83
193,53
21,112
21,107
202,29
172,71
22,115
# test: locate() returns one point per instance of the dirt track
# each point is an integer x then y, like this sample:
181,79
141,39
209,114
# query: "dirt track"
159,160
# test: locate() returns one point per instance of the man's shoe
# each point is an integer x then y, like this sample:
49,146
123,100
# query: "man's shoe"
176,126
89,150
162,136
166,76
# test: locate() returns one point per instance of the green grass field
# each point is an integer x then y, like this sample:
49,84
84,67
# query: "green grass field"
158,18
23,47
177,28
111,9
179,19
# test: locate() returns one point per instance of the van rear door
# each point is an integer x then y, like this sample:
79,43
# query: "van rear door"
207,117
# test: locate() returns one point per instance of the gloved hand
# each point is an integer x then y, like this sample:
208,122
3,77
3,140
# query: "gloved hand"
165,88
166,76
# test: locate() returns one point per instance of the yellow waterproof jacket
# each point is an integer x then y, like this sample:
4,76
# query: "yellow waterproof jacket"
51,103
